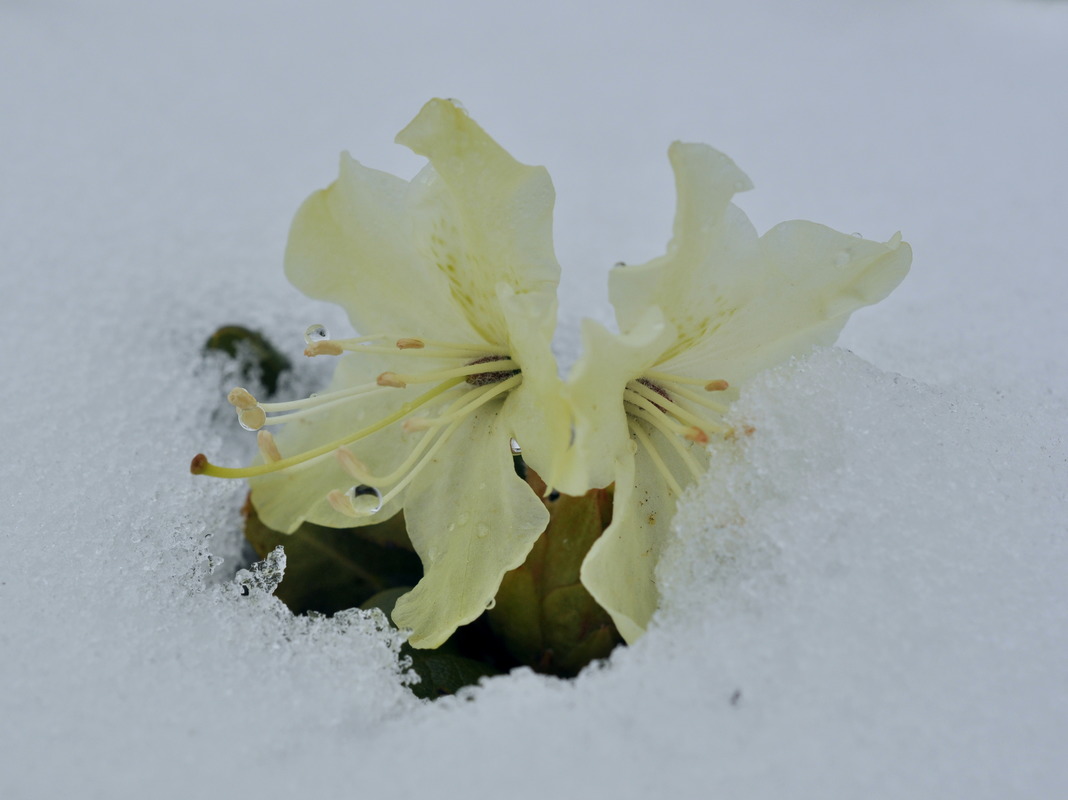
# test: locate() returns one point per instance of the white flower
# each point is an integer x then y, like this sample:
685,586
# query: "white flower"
721,305
452,279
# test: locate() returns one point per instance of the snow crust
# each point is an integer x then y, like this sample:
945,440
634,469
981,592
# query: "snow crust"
865,597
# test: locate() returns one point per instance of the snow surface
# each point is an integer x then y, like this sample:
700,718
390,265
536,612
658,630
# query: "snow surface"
865,598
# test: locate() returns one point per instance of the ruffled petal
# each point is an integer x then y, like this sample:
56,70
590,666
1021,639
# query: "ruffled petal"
619,571
740,302
713,243
812,279
480,217
595,391
538,411
352,244
470,519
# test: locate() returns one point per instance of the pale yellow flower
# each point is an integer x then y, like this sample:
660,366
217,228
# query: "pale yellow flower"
722,304
452,279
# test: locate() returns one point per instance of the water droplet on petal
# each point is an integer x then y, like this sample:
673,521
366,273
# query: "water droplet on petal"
365,499
492,603
843,258
516,449
252,419
858,235
316,333
482,529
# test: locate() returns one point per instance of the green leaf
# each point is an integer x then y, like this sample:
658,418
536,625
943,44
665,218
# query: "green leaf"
331,569
543,614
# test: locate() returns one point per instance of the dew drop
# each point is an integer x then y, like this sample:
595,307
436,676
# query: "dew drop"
491,604
482,529
516,449
252,419
316,333
858,235
842,259
366,500
463,518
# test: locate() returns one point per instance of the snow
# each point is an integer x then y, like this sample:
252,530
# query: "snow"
866,597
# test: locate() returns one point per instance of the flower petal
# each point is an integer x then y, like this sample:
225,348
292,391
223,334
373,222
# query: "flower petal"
537,409
619,570
595,390
352,244
470,519
741,303
481,217
710,237
812,279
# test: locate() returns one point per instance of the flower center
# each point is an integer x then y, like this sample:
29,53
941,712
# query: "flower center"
667,404
485,378
473,378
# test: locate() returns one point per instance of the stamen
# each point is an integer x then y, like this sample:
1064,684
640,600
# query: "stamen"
470,401
426,459
669,406
325,399
268,447
658,461
717,386
341,503
505,365
201,466
455,413
667,377
352,465
699,399
327,347
697,435
410,344
391,379
672,437
665,422
241,398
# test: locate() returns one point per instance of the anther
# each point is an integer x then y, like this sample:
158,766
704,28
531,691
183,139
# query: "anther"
342,503
196,467
410,344
268,447
323,348
416,424
391,379
695,434
716,386
352,465
241,399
